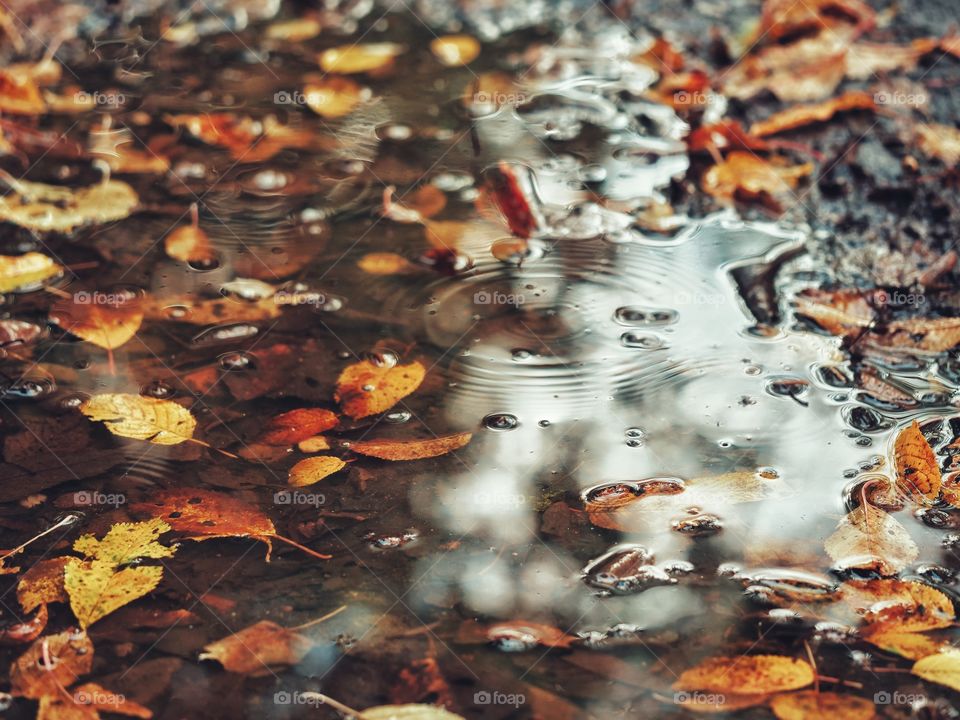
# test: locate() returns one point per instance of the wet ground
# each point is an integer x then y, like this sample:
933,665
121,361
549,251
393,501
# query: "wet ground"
598,360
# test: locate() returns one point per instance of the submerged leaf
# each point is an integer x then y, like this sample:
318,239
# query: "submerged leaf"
291,427
411,449
334,97
890,605
408,712
70,655
868,534
314,469
258,648
455,50
105,324
162,422
351,59
366,388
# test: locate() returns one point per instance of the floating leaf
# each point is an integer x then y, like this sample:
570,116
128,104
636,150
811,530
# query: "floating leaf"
258,648
411,449
104,580
334,96
314,444
813,705
455,50
189,244
366,388
26,271
248,140
802,115
408,712
869,535
291,427
943,668
70,654
51,208
918,474
162,422
205,515
313,470
351,59
747,674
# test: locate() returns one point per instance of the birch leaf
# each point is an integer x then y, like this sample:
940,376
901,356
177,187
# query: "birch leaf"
162,422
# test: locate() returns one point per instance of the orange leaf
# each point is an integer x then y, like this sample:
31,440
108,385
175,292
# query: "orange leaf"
334,96
918,474
291,427
801,115
748,674
365,388
910,645
42,584
411,449
814,705
745,176
258,648
189,244
70,654
890,605
108,320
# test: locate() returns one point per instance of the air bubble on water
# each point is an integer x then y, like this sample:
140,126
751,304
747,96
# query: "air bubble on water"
752,370
236,361
500,421
520,354
641,341
544,423
397,417
158,389
631,315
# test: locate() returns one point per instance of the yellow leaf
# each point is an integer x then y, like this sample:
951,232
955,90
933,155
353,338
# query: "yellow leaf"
365,388
27,270
42,584
907,644
51,208
811,705
334,97
350,59
103,581
918,474
189,244
943,668
408,712
749,674
411,449
868,534
314,444
454,50
162,422
312,470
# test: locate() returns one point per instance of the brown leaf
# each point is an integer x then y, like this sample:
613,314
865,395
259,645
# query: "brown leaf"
938,141
366,388
291,427
918,474
20,95
97,697
70,654
748,674
42,584
314,469
841,312
411,449
868,534
258,648
802,115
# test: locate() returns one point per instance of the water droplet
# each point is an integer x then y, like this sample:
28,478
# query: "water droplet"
500,421
520,354
641,341
158,389
237,361
544,423
397,417
632,315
